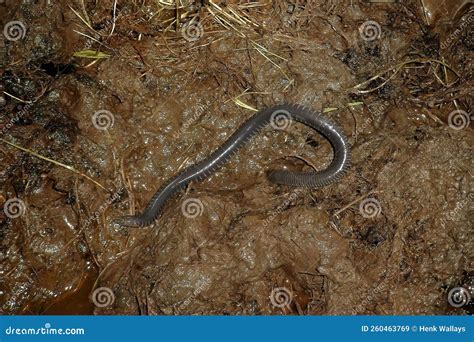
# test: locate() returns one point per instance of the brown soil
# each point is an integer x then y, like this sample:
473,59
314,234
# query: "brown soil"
173,101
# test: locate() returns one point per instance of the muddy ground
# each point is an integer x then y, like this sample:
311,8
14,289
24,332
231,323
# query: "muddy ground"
124,94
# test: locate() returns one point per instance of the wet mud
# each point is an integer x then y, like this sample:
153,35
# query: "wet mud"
101,102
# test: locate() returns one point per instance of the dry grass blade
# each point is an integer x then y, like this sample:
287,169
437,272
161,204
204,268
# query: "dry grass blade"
231,14
87,36
18,99
67,167
114,19
262,49
242,104
395,69
91,54
85,21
